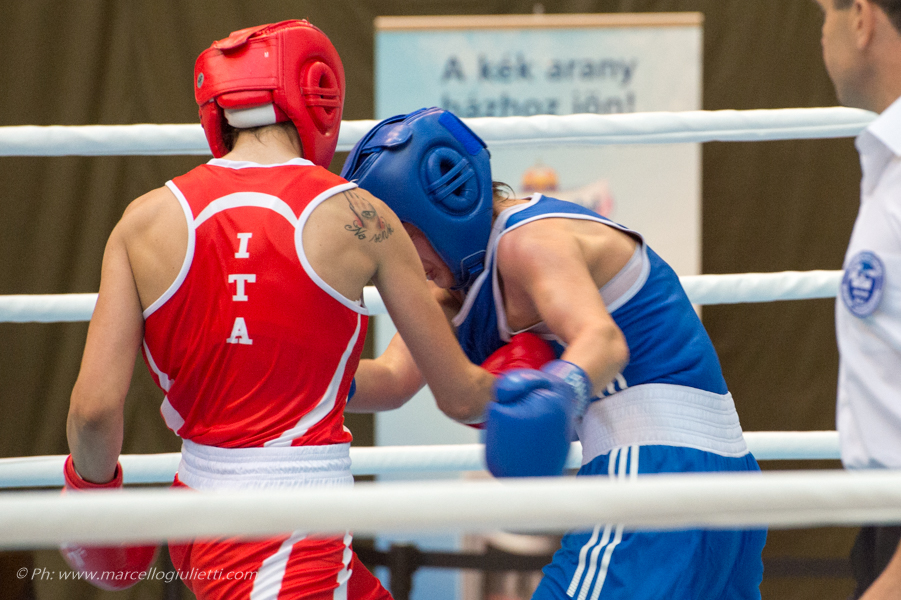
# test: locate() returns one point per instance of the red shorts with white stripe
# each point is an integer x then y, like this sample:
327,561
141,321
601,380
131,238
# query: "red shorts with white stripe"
286,567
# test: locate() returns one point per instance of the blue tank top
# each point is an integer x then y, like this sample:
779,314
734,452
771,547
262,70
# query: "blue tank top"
667,342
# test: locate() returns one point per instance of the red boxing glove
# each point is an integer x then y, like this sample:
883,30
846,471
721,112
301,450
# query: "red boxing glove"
524,351
107,567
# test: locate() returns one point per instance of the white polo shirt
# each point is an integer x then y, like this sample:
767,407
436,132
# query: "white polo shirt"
868,307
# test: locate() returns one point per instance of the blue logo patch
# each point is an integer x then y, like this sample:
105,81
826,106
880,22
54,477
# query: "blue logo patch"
862,283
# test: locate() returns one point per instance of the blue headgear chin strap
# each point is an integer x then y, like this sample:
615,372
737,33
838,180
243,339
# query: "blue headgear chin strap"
434,173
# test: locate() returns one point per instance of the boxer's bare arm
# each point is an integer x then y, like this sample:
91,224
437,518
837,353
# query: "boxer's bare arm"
461,389
546,277
391,379
387,382
341,238
142,258
156,236
340,242
94,425
375,247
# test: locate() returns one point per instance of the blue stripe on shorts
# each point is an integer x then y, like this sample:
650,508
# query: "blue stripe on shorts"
610,563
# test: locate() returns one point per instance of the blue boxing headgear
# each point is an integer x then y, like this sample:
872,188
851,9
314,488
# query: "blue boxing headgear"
434,173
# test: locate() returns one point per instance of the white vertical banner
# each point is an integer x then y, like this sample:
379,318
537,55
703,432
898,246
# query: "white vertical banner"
522,65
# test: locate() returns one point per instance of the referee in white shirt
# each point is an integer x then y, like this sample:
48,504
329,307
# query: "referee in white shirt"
862,51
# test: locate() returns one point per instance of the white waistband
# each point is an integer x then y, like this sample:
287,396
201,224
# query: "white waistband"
664,414
212,468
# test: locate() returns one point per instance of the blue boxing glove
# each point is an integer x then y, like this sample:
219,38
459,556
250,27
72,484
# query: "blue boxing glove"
529,427
577,379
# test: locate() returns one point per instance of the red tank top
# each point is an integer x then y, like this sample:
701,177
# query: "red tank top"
250,345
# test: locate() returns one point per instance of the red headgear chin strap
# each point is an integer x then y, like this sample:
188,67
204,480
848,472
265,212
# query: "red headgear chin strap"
291,65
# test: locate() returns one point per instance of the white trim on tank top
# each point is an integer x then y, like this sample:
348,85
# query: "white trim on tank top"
326,403
260,200
246,164
498,230
189,253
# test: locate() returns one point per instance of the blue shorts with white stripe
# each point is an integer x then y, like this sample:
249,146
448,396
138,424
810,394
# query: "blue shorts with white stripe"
609,563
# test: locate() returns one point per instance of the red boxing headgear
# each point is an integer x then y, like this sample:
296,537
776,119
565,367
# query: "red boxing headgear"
290,66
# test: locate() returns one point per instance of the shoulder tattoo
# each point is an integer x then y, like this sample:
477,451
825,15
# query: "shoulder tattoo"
366,223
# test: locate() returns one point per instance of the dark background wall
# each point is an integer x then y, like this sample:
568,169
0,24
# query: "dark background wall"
768,206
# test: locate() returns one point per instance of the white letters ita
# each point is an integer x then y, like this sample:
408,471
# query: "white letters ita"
239,329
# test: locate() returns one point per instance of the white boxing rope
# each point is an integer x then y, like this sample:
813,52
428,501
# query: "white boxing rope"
47,471
46,308
102,140
793,445
701,289
673,127
785,499
761,287
629,128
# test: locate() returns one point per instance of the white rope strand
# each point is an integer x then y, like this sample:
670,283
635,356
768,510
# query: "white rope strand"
631,128
673,127
103,140
47,471
761,287
793,445
701,289
46,308
710,500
